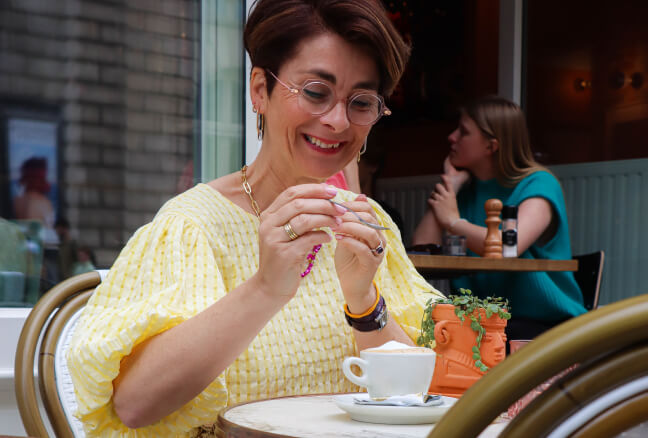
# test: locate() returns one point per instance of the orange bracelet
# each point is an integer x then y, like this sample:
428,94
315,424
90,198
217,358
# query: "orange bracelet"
371,309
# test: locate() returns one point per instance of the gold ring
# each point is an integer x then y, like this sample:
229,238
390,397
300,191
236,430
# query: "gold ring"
290,232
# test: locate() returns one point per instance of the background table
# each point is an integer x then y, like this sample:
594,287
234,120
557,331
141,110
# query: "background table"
313,416
454,265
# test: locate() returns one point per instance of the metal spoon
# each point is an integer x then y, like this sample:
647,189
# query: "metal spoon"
362,221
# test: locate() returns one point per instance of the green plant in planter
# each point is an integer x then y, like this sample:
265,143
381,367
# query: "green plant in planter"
465,305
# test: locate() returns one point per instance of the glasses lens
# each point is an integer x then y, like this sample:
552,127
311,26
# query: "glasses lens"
316,97
364,109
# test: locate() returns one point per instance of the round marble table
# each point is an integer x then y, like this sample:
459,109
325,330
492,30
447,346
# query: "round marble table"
313,416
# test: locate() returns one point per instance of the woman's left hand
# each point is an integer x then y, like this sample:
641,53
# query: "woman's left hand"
360,249
456,178
444,203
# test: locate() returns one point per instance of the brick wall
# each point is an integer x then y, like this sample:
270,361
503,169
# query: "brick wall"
123,76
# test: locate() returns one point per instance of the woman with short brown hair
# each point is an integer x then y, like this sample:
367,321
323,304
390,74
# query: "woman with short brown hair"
275,29
254,285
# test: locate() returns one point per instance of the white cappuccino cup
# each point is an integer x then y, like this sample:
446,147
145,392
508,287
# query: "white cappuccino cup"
393,369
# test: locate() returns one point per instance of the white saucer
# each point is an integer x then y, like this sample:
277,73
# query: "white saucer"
393,414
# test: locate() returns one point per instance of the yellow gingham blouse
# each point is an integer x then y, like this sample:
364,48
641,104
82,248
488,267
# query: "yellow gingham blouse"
197,248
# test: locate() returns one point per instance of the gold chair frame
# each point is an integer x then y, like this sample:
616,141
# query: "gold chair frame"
587,384
605,341
46,320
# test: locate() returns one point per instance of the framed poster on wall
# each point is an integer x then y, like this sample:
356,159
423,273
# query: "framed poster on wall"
29,188
30,167
32,149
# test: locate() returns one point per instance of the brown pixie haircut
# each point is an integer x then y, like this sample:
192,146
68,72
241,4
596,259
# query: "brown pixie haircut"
275,28
502,120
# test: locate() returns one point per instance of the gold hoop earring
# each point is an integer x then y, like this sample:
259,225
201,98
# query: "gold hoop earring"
363,149
260,125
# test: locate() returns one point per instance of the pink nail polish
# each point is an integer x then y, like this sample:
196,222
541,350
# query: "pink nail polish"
339,208
331,191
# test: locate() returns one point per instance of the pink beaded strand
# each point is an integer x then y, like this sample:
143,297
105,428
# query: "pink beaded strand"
311,259
247,189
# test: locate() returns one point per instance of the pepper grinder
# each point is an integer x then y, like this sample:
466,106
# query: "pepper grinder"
493,241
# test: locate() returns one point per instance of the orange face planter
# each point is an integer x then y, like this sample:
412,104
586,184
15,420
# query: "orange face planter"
455,369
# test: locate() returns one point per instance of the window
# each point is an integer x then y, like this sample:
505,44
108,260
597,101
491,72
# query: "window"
106,109
454,60
586,89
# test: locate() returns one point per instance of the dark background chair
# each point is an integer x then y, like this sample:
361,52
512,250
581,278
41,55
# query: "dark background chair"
588,277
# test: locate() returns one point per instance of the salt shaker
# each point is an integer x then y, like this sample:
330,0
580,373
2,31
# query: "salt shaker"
509,231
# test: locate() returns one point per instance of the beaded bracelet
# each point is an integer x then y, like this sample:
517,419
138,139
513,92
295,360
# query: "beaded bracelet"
368,311
452,224
376,320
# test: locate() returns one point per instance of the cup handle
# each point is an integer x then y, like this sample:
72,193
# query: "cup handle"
363,379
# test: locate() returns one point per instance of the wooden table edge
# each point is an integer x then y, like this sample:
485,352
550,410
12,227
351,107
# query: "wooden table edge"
426,262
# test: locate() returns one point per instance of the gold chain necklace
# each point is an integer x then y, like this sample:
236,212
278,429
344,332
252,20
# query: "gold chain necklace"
247,189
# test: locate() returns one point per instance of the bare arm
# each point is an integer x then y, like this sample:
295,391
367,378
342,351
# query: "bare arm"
180,363
428,230
534,218
391,332
475,235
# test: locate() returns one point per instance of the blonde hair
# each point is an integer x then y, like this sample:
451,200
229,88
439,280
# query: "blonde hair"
502,120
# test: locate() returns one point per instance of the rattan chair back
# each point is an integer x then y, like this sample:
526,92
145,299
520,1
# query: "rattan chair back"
45,323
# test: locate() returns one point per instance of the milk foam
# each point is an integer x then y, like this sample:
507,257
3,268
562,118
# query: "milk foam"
398,347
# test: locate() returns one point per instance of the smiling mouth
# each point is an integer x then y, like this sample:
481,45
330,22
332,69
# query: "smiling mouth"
320,144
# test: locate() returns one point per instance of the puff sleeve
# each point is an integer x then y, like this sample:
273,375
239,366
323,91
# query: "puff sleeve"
166,274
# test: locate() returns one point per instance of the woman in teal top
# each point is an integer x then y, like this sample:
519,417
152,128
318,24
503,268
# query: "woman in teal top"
491,147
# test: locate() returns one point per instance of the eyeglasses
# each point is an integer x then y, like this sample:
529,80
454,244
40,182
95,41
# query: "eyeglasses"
318,98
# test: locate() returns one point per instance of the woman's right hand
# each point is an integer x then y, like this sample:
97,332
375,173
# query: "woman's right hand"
456,177
443,203
282,260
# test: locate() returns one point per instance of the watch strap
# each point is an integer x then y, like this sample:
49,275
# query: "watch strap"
376,320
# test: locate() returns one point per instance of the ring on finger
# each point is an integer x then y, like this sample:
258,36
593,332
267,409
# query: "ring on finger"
379,249
290,232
